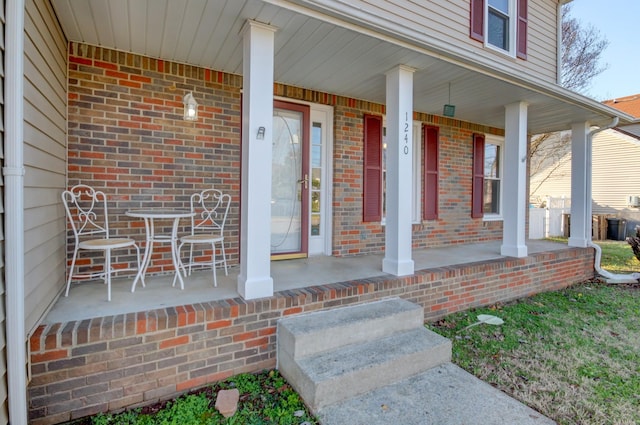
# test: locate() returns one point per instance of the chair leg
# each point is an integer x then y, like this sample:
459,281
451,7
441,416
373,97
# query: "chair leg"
213,264
107,271
190,257
73,265
224,259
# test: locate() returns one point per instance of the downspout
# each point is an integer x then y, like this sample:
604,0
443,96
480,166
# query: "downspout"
611,277
13,171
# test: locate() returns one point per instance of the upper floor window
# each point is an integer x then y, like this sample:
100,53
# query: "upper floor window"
501,24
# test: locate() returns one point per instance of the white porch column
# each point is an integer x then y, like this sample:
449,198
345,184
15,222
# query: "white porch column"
580,193
397,258
514,192
254,280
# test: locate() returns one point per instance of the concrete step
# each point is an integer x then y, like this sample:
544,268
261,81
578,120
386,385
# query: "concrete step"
326,378
313,333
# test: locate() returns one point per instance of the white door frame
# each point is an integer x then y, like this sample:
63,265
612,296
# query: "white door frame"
321,245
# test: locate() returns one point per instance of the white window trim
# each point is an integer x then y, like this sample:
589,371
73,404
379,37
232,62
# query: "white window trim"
324,115
499,141
513,19
417,173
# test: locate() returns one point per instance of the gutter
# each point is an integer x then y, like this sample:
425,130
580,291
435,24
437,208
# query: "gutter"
13,172
610,277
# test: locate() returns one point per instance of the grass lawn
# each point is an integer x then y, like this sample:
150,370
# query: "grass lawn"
573,355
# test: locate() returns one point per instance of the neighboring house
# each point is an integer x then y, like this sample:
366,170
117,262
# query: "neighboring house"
93,94
615,186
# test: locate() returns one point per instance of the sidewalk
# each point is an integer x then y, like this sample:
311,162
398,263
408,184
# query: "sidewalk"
445,395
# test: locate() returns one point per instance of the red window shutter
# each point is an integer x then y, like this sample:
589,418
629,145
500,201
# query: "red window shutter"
430,195
477,20
521,35
372,184
477,188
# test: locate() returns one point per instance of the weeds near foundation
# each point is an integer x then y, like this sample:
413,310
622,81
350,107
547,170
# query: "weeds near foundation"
265,398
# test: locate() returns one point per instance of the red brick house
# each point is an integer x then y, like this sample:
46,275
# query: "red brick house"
337,118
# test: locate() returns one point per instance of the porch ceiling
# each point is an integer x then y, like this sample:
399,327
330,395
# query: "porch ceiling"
322,53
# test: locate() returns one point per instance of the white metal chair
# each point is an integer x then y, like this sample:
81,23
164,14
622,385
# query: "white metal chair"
211,208
87,213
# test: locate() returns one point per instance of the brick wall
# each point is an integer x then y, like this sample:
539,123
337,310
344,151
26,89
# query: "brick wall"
127,137
89,366
454,224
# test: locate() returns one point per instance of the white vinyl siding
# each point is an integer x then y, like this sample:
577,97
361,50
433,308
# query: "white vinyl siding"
4,408
45,71
615,162
541,47
556,183
445,24
615,165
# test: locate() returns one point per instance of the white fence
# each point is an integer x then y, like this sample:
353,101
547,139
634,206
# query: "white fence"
548,220
537,223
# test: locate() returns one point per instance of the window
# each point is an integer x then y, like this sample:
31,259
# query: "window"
506,25
316,179
487,177
498,24
375,160
492,177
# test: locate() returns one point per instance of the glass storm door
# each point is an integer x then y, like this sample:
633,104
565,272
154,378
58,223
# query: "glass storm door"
290,181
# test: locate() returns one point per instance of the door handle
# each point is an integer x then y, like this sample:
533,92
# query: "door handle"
305,180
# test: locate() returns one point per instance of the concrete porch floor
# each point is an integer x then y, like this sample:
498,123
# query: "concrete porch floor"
89,299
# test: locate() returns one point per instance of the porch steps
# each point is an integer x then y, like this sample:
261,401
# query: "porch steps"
334,355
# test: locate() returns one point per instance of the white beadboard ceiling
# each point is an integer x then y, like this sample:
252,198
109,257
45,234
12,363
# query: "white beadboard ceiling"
316,53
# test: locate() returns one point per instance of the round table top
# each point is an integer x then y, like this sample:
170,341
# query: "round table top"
160,213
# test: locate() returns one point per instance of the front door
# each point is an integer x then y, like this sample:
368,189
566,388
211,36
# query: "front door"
290,181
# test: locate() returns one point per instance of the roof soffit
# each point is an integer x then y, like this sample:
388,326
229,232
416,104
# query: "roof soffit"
327,53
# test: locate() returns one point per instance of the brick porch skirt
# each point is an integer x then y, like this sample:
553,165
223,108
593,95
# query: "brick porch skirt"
80,368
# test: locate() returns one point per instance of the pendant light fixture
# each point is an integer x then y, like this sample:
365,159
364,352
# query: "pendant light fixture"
449,110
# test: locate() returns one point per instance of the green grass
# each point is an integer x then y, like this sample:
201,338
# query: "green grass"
617,257
573,355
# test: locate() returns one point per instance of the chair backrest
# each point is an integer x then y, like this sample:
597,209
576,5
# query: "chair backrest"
86,210
211,207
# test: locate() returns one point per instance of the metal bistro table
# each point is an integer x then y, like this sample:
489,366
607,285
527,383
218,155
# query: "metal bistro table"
150,215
